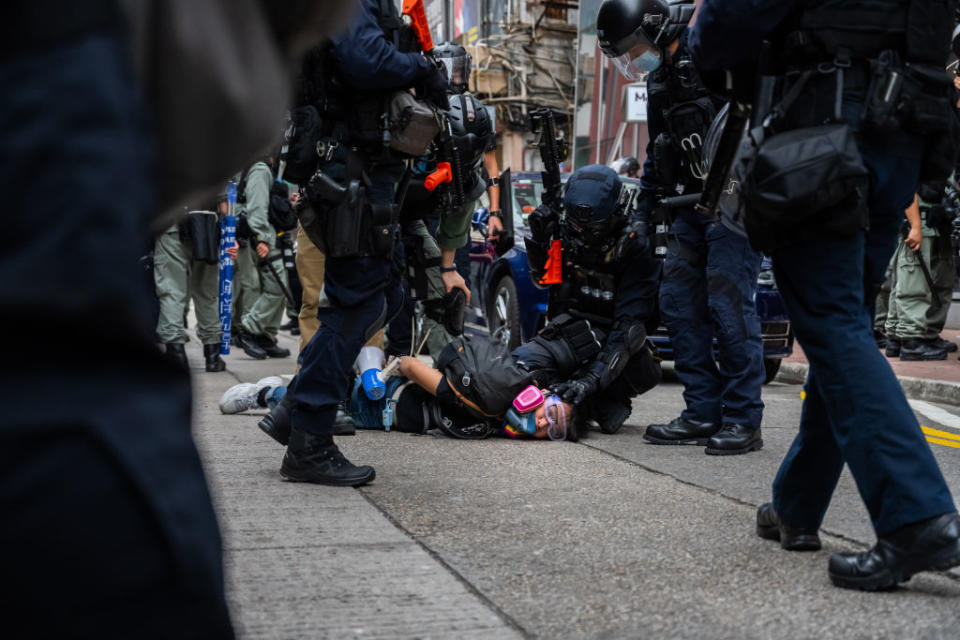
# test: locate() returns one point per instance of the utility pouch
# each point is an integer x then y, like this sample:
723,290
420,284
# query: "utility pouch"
302,154
454,311
881,110
383,228
802,181
582,339
201,230
281,213
344,227
412,124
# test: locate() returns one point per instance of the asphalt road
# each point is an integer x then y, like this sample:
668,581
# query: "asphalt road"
607,538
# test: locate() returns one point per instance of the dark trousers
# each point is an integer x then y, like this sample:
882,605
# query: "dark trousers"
855,410
106,523
360,294
708,291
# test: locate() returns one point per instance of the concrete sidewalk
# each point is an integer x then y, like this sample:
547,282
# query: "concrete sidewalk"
937,381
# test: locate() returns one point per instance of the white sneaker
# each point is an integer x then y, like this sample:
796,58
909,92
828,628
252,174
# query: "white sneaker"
243,396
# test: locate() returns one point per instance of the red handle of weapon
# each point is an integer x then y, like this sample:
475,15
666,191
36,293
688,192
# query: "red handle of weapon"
554,266
443,174
418,19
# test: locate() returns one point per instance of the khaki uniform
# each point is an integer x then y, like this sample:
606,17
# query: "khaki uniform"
179,277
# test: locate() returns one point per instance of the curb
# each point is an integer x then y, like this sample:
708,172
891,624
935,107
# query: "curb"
916,388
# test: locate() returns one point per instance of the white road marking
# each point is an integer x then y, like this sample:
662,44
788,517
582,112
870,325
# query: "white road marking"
938,415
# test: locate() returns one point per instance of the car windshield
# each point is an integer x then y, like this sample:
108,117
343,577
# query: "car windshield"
526,198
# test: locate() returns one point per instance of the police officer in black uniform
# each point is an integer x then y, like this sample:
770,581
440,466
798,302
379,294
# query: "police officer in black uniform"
602,302
710,272
853,54
353,198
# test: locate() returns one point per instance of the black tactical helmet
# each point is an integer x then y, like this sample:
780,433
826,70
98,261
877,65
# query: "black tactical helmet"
471,127
629,166
457,62
594,206
623,26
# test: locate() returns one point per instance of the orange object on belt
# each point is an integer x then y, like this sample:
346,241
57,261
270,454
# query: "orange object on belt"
554,265
443,174
418,18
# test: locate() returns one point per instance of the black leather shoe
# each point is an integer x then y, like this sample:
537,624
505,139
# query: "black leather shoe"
916,350
211,354
734,439
893,347
290,324
769,527
928,545
316,459
880,338
343,424
680,431
250,346
271,348
276,424
175,353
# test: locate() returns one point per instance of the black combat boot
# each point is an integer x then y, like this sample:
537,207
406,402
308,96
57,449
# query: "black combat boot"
276,424
680,431
914,350
611,414
948,345
880,338
928,545
211,353
312,458
249,344
770,527
175,353
270,347
893,347
343,424
734,439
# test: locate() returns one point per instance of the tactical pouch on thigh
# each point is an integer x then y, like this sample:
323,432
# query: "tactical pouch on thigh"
201,231
802,181
383,227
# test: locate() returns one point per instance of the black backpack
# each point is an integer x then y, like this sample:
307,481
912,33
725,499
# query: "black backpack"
482,374
280,213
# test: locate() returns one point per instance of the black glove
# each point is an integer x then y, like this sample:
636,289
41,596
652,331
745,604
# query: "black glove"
434,88
542,222
576,391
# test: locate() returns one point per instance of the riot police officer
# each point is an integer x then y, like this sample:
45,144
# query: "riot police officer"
353,192
436,225
595,345
855,411
710,272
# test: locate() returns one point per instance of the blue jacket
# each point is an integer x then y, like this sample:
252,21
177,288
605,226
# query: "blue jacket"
367,60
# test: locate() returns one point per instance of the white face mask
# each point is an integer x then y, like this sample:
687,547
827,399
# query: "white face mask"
633,67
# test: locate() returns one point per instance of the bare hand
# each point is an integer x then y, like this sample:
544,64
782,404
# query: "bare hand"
262,249
294,198
495,226
232,251
914,238
453,280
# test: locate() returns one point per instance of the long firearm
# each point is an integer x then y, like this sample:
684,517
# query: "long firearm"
553,151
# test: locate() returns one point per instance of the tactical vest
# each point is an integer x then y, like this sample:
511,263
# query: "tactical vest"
362,111
585,293
688,109
861,29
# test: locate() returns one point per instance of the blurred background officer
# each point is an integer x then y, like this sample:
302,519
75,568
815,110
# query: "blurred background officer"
262,312
186,259
710,273
855,411
606,293
107,526
914,320
355,75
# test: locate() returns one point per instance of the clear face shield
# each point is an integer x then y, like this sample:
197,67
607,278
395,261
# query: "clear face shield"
458,69
640,59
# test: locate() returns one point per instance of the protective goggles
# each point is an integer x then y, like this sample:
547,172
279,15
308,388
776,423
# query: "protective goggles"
556,414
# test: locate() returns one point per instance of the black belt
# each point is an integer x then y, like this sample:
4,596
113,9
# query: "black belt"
31,26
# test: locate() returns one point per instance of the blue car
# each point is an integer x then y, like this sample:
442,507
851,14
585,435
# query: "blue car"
506,303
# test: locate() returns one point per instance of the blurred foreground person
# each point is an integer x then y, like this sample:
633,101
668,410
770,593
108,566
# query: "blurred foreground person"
107,526
831,234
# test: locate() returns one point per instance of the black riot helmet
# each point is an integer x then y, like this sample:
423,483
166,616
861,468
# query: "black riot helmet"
457,62
594,206
636,33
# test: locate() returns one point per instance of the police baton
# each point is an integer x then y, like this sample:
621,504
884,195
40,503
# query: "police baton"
937,303
268,263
